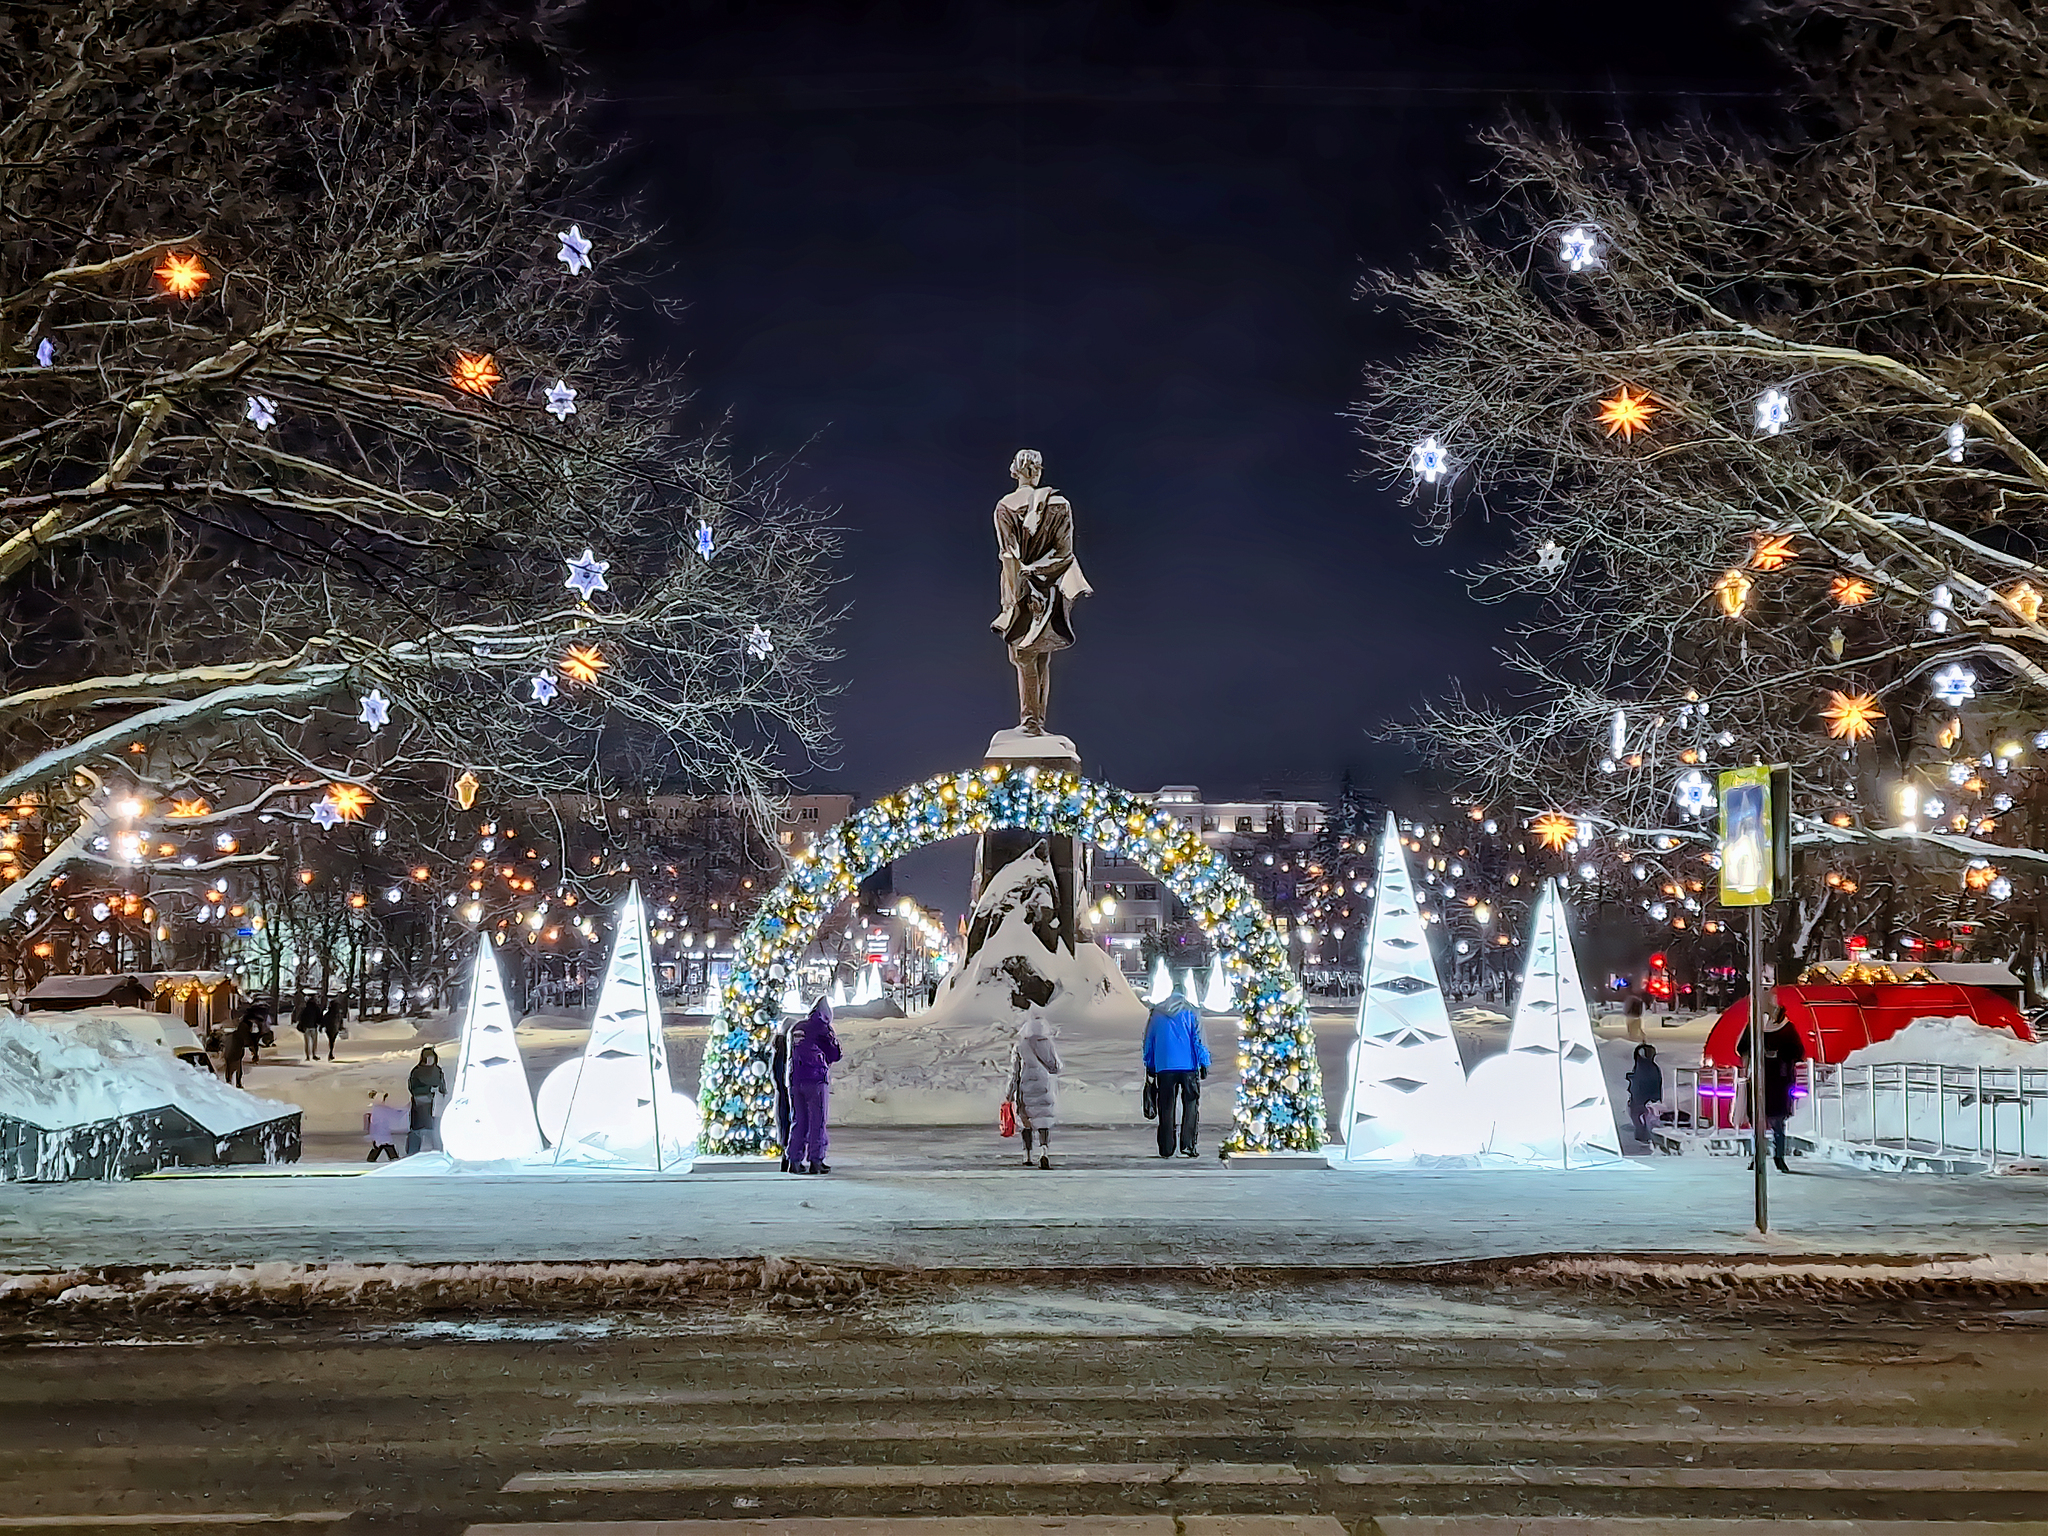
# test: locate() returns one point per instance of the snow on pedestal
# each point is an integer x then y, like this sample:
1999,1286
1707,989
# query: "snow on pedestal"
1221,996
1545,1096
1407,1098
1162,982
622,1110
490,1113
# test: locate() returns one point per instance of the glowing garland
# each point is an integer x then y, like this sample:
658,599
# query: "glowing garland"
1280,1094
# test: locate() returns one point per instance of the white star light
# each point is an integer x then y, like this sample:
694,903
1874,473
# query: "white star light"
586,574
1549,558
1694,792
561,401
46,352
262,412
758,643
575,251
1773,411
544,689
704,540
1999,888
326,815
1955,683
1579,248
1429,461
1957,436
376,710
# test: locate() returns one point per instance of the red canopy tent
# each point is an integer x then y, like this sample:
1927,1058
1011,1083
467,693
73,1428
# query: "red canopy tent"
1837,1017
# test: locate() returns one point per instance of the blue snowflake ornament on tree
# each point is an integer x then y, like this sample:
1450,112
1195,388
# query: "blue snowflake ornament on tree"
561,400
704,540
1954,683
544,689
326,814
758,643
575,251
376,710
586,574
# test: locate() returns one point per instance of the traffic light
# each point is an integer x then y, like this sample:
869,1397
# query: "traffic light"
1660,976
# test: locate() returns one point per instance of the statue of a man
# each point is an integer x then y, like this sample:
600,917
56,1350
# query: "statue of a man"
1041,580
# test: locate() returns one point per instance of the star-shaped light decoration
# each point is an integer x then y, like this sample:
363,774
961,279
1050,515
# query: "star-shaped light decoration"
586,574
1956,436
475,373
582,663
46,352
1429,461
185,810
1627,414
704,540
1549,557
1694,792
561,400
1852,716
349,800
376,710
1732,592
466,788
1579,248
758,643
1773,412
1850,591
326,815
1954,683
1771,551
2024,601
575,251
1998,888
544,689
1942,604
181,275
1554,830
262,412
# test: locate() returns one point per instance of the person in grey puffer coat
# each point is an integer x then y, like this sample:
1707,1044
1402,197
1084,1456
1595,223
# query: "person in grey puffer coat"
1034,1092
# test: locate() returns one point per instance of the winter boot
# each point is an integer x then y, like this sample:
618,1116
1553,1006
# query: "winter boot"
1044,1161
821,1167
1783,1166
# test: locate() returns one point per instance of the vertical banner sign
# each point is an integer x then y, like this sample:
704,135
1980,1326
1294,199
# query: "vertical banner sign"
1748,867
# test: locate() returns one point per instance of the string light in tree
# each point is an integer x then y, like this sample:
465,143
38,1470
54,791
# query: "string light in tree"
1852,716
262,412
1850,591
1627,414
1549,557
1694,792
1771,551
582,663
1942,603
704,541
544,689
1837,641
575,251
759,645
181,275
350,800
185,810
46,352
586,574
1773,412
375,711
1732,592
466,788
1958,436
1554,830
561,400
1429,461
1954,683
475,373
2024,601
1579,248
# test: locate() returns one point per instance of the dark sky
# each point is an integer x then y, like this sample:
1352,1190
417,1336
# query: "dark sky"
914,238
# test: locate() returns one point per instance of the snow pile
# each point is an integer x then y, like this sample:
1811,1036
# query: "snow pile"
99,1071
1990,1273
1952,1043
142,1024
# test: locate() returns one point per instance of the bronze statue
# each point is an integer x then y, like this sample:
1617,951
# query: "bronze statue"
1041,580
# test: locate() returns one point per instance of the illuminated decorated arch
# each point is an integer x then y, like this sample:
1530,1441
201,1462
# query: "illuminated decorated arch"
1280,1092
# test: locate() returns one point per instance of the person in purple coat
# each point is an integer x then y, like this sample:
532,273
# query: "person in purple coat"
812,1050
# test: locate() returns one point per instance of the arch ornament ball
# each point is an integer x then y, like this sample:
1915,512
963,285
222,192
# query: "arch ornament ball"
1280,1092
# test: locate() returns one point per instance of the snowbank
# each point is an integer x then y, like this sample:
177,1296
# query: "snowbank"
1952,1043
145,1025
98,1071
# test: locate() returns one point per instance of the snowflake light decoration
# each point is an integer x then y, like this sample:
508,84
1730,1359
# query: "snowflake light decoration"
1954,683
575,251
586,574
1773,412
758,643
182,276
1999,888
1694,792
1627,414
261,412
1579,248
1957,435
561,400
544,689
376,710
1852,716
704,540
326,815
1943,604
1429,461
46,352
1932,807
1549,557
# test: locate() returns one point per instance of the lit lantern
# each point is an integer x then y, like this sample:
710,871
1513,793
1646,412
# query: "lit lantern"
583,663
1732,592
1771,552
1852,716
182,276
475,373
1554,829
2024,601
1850,591
465,796
1627,414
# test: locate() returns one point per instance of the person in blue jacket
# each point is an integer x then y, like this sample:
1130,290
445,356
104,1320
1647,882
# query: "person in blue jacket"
1176,1059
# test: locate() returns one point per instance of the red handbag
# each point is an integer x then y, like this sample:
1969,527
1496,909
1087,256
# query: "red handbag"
1006,1118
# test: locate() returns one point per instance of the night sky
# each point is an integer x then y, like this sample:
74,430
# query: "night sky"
914,238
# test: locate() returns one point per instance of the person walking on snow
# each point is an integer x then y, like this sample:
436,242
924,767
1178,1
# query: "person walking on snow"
1034,1091
1783,1051
334,1023
423,1083
812,1050
1177,1060
309,1017
1645,1087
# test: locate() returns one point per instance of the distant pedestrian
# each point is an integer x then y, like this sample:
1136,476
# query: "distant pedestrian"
1645,1087
1177,1060
381,1125
1632,1011
241,1042
334,1023
1034,1091
424,1083
309,1017
778,1068
1783,1051
812,1050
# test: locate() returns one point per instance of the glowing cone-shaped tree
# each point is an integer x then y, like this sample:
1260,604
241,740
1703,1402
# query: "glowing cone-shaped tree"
623,1111
839,997
793,999
1407,1095
490,1113
1220,996
1546,1095
1162,982
1191,988
870,984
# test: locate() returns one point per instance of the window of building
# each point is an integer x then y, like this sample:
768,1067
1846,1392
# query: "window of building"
807,813
1148,893
1244,823
1208,823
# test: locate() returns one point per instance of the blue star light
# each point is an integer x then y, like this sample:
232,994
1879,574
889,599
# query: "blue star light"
704,540
1773,411
262,412
758,643
376,710
326,815
1693,792
1955,683
1429,461
561,401
46,352
544,689
1579,248
575,251
586,574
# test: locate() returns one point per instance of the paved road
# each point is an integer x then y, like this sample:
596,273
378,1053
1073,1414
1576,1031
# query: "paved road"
1159,1407
951,1198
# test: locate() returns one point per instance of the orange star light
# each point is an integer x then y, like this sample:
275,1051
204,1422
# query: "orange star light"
1732,592
583,663
182,276
1772,551
1850,591
2024,601
182,810
350,800
475,373
1626,413
1852,716
1554,829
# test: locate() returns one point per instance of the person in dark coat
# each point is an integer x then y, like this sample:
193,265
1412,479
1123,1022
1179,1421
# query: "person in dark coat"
778,1068
308,1019
1783,1051
1177,1060
813,1047
334,1023
1645,1087
242,1040
423,1084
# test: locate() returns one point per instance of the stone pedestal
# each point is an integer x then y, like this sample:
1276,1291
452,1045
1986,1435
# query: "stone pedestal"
996,848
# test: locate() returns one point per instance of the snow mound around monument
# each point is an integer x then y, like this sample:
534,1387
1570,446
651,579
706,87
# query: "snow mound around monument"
100,1071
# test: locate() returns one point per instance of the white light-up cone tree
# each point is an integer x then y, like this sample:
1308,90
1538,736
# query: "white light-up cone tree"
1162,982
1407,1097
1546,1096
1220,996
490,1114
